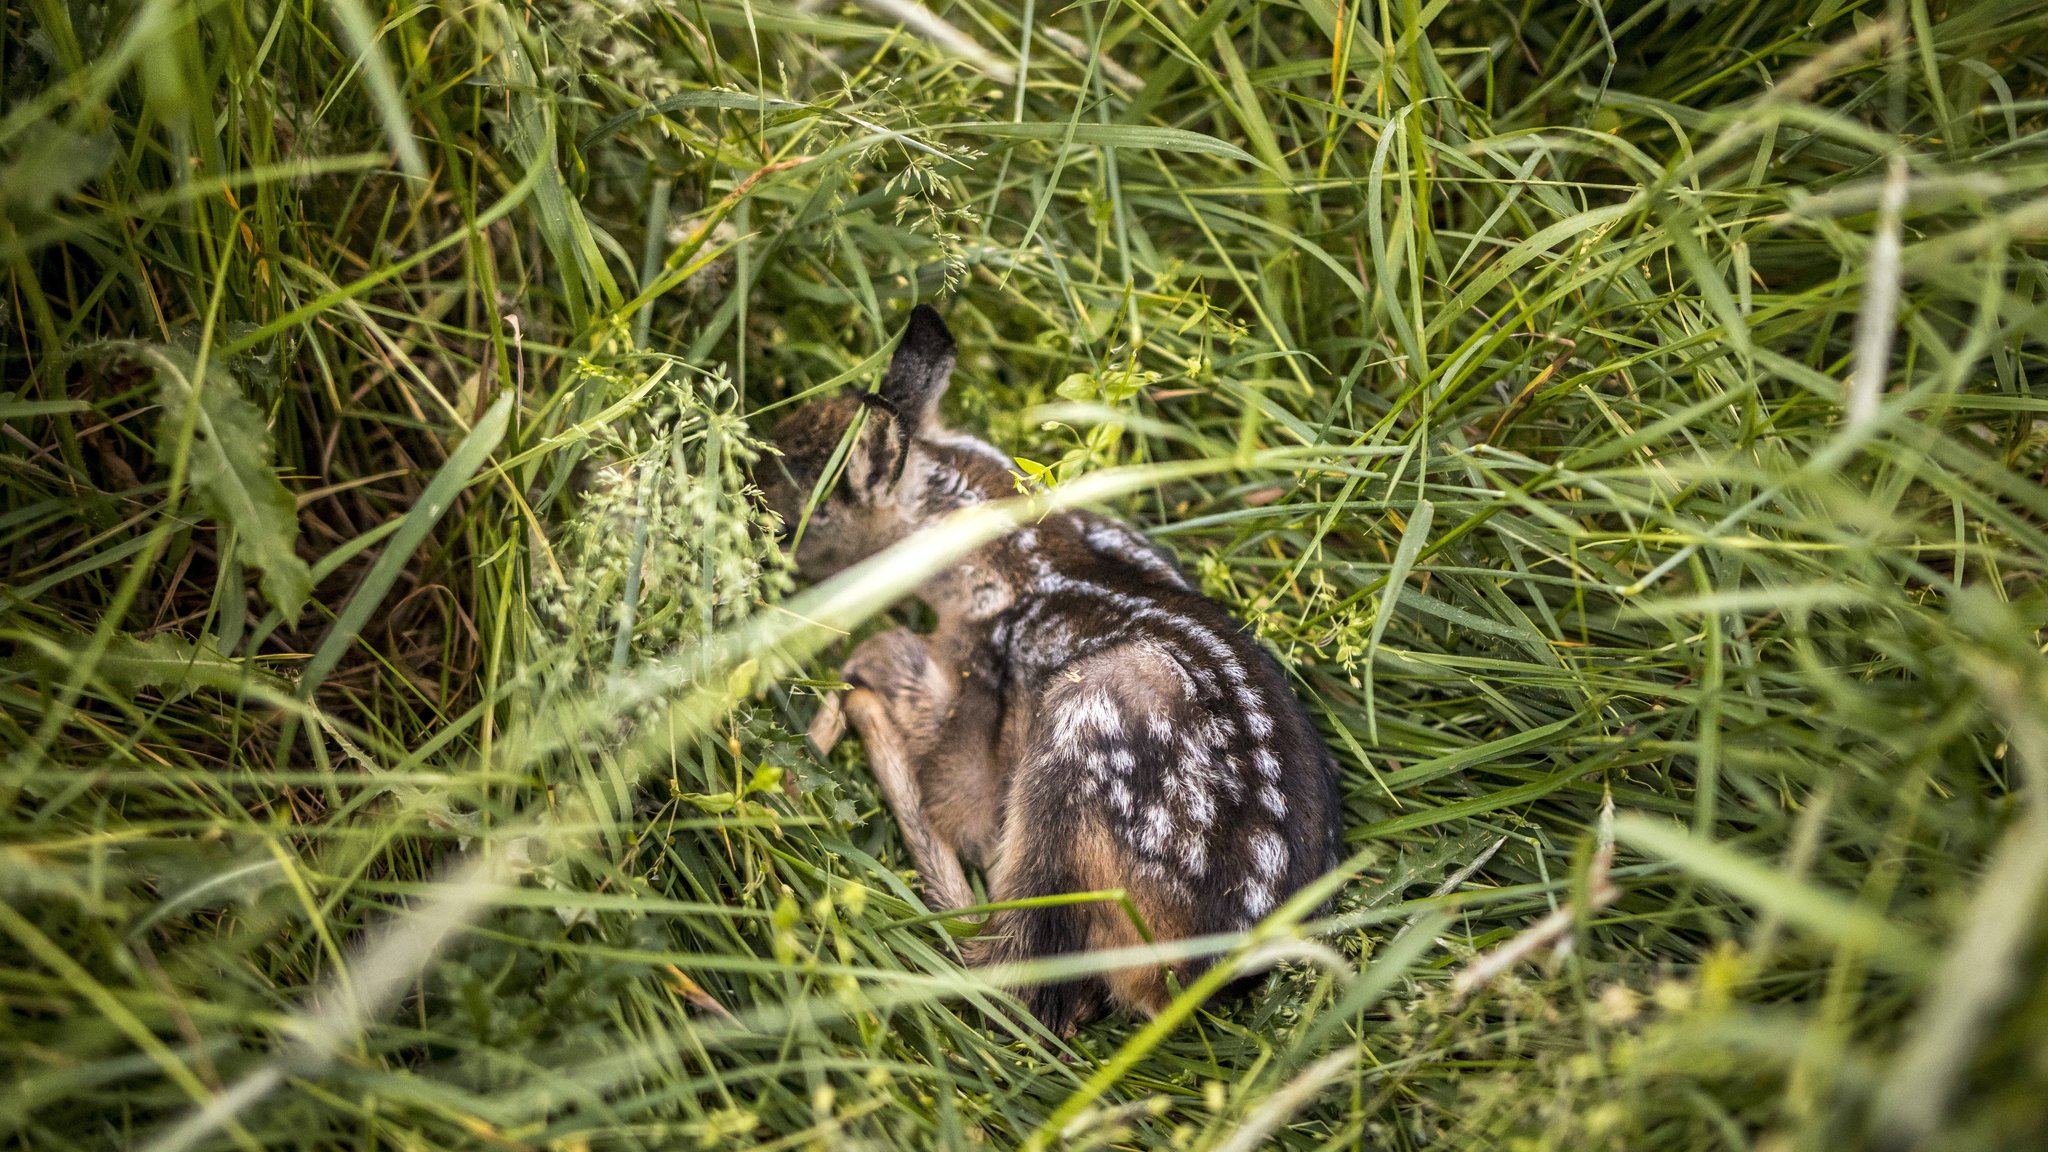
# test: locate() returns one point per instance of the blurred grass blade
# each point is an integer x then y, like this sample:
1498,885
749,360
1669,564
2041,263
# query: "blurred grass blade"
1878,317
360,34
1106,136
113,1011
1984,966
1981,971
1278,1108
385,966
1797,901
929,26
1564,314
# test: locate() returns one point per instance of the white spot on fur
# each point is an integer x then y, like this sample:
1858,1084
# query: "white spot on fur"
987,598
1120,795
1143,608
1260,724
1054,639
1158,827
1093,712
948,487
1264,762
1258,900
1269,853
1273,802
1219,652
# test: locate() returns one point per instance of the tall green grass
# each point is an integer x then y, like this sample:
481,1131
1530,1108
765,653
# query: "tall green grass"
400,696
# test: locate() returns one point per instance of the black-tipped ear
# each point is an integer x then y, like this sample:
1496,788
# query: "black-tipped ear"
918,375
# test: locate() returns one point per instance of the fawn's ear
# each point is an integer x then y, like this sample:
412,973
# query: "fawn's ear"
906,403
919,372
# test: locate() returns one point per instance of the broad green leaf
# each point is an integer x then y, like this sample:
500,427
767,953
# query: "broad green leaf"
231,471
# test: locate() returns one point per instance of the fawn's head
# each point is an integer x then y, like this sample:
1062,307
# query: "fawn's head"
880,465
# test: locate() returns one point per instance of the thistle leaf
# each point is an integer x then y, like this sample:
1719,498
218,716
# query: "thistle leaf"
171,664
231,471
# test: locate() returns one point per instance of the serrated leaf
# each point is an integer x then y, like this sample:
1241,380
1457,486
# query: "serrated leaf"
766,778
170,664
231,472
50,164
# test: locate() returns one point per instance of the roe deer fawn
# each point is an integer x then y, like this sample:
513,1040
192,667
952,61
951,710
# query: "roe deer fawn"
1081,717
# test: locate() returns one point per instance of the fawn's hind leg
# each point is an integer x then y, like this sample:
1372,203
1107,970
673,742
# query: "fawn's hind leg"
938,865
905,704
1081,817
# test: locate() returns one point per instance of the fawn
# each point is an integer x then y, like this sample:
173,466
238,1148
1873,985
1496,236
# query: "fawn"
1081,718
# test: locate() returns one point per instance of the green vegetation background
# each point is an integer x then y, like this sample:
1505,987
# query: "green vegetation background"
1586,401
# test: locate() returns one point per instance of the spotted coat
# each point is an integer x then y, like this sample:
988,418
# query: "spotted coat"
1081,718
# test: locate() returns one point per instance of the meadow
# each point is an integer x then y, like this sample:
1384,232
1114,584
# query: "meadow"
1621,420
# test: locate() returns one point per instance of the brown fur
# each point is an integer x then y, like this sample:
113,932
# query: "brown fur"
1102,866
